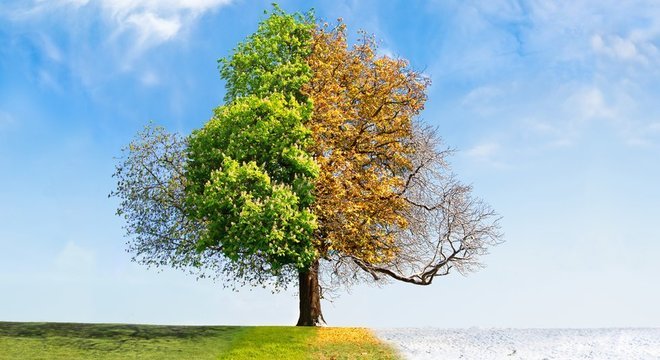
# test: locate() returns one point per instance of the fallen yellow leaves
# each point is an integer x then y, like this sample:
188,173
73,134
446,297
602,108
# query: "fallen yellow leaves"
329,335
332,343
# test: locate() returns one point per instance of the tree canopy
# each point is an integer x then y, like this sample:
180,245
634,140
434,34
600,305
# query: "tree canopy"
249,178
316,158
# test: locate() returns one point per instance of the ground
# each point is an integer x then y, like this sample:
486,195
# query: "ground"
518,344
114,341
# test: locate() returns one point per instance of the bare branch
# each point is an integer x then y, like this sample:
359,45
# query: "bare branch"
447,227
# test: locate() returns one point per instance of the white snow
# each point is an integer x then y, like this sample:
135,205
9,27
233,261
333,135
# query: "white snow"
510,344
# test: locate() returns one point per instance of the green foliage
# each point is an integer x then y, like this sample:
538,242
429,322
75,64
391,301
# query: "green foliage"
314,155
268,131
272,59
234,197
253,215
249,176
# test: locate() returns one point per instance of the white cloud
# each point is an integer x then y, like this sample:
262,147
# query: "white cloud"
156,21
618,47
385,51
589,103
581,108
483,99
541,127
70,2
161,6
49,48
484,151
546,133
577,69
152,29
644,136
47,80
488,153
94,41
153,21
623,109
149,22
149,78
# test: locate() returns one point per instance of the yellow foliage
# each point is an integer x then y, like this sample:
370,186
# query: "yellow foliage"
364,105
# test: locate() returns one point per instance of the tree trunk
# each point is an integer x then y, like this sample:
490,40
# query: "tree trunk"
309,292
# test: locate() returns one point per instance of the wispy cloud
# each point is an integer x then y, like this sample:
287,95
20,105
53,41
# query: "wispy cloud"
620,48
149,78
70,44
387,52
483,100
49,48
542,74
155,22
589,103
488,152
151,29
147,23
560,119
484,151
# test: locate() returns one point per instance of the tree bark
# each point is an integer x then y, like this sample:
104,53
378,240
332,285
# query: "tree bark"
309,292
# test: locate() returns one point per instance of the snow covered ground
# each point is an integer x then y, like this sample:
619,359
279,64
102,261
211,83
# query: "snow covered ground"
509,344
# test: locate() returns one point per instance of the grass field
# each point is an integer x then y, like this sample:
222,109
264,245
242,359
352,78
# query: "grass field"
113,341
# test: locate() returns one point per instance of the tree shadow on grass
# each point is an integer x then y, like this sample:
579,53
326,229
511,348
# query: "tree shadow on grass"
113,341
111,331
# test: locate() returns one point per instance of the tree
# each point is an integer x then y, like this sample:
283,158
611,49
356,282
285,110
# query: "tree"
315,165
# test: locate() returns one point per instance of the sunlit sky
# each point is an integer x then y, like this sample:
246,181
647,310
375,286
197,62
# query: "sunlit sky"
553,107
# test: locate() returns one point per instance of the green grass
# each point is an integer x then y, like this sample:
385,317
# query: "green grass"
110,341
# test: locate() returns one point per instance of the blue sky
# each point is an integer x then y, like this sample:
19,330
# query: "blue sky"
552,106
